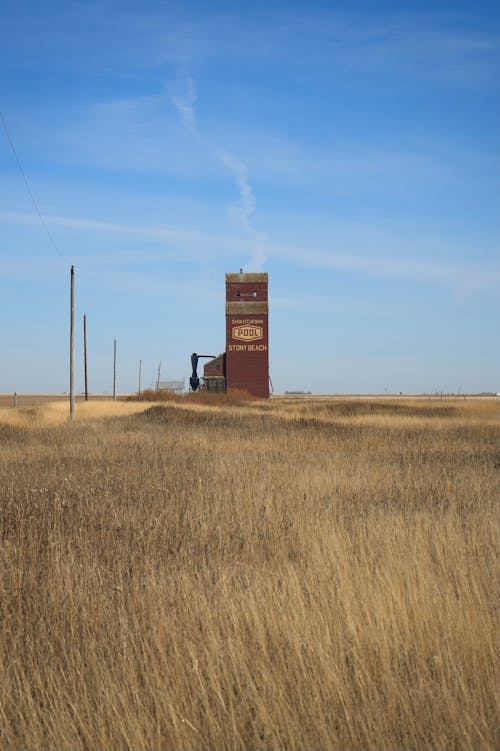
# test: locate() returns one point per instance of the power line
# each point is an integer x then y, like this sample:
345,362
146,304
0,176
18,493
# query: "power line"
52,241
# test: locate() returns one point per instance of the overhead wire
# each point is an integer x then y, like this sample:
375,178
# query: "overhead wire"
30,192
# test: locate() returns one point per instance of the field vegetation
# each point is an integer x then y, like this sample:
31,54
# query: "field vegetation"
297,574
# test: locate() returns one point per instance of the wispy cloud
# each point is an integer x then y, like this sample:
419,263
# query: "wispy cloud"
188,240
438,48
185,106
463,280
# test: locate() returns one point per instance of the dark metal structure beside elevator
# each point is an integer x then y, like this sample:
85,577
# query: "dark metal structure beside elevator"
245,363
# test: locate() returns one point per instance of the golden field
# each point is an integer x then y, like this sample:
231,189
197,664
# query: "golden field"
296,575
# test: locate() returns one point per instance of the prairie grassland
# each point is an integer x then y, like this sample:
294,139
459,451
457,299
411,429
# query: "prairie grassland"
45,414
280,575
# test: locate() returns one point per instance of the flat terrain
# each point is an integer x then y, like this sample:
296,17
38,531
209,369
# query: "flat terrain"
296,574
32,400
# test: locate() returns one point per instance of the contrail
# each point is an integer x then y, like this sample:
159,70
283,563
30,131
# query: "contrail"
185,106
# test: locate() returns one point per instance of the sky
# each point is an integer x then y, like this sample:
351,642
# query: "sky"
349,149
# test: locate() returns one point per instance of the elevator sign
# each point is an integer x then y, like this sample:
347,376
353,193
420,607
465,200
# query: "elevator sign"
247,333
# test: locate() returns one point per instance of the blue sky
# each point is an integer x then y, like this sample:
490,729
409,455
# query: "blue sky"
351,150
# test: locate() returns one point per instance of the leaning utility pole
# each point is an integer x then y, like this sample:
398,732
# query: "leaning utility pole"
85,356
114,371
158,378
72,347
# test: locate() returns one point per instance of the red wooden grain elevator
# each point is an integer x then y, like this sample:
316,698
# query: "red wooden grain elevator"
247,333
245,363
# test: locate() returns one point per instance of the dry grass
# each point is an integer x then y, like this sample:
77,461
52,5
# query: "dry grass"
233,397
280,575
57,413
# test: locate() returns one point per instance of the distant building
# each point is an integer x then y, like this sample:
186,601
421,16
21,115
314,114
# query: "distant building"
174,387
245,363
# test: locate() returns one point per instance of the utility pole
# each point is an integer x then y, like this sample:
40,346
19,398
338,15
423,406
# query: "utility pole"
158,379
114,371
85,356
139,385
72,347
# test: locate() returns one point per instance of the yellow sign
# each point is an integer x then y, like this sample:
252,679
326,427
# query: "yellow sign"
247,333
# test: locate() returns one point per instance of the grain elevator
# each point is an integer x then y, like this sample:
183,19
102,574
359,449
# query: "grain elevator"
245,363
